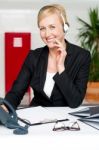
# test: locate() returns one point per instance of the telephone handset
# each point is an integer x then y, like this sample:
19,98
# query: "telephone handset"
10,120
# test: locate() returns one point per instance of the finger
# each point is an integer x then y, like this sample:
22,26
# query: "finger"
4,107
57,42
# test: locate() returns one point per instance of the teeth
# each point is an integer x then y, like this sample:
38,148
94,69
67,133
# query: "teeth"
50,40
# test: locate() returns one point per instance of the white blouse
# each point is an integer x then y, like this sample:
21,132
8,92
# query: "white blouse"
49,84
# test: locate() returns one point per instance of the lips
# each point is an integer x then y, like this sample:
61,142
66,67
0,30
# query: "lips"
50,40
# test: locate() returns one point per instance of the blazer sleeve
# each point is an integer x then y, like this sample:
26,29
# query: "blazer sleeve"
73,90
21,84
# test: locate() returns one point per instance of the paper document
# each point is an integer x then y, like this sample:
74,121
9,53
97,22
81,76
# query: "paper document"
88,115
37,114
92,121
86,112
81,113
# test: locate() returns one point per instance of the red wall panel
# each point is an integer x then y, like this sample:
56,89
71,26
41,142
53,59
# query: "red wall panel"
17,46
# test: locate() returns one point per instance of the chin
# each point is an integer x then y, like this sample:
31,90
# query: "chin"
50,45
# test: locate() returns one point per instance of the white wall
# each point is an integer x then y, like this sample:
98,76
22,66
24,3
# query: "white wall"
15,21
18,20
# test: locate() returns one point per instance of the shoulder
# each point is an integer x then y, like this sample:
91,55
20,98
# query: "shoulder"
78,51
34,54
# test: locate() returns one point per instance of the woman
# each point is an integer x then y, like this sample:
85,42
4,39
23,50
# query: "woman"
57,72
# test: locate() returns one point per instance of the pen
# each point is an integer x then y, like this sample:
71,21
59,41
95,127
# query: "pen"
42,122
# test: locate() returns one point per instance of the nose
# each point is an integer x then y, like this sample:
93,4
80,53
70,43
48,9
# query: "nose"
47,33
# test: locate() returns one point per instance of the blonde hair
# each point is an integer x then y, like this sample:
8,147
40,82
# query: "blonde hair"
50,9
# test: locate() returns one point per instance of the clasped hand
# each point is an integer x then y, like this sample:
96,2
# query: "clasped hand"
60,55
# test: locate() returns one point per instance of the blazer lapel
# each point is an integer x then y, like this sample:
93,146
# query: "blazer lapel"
43,66
37,81
68,57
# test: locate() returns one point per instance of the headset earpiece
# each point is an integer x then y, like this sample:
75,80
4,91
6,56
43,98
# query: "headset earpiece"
66,27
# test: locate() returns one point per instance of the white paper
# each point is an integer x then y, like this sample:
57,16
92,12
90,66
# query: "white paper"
37,114
17,42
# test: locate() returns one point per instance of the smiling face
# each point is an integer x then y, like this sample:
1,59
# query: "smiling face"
51,28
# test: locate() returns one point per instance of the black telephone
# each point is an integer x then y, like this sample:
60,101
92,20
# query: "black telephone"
10,120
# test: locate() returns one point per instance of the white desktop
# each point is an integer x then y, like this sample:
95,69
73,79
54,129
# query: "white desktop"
43,137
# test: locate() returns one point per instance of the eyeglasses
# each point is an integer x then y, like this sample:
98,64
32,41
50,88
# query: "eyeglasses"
73,126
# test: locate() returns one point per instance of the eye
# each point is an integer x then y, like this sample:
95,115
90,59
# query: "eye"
42,28
52,27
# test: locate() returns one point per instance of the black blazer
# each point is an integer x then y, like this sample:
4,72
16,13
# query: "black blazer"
70,85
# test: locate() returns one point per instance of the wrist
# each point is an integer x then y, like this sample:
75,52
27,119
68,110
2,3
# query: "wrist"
61,69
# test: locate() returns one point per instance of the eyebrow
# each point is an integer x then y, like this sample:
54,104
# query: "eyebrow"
48,25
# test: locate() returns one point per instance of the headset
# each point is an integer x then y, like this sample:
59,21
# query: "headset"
66,26
10,119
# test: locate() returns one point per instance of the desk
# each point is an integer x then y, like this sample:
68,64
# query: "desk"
42,137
